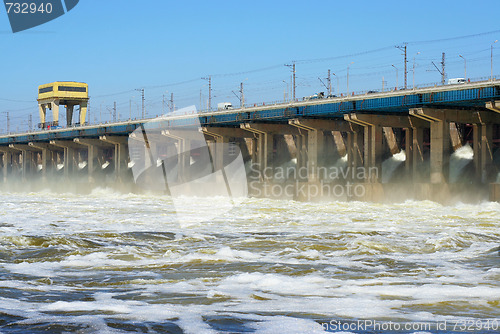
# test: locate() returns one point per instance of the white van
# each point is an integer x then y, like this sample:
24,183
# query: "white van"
224,106
456,81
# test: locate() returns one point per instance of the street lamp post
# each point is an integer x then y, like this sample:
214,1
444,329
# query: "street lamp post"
491,78
348,77
285,90
465,66
338,84
397,76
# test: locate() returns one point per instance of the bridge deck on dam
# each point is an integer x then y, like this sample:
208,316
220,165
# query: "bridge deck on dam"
470,95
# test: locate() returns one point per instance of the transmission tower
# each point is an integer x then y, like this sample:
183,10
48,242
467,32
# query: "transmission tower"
403,48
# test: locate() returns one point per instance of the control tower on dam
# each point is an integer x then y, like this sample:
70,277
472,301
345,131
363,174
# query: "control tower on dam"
429,143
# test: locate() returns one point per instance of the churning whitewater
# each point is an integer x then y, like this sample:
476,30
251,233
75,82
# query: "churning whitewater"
115,263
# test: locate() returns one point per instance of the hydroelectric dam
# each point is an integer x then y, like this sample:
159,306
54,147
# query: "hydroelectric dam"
394,144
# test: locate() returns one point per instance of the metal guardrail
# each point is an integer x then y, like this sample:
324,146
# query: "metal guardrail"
279,104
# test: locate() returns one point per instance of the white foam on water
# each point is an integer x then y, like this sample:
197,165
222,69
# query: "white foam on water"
282,324
415,260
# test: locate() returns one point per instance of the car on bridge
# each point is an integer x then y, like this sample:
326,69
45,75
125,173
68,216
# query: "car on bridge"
317,96
456,81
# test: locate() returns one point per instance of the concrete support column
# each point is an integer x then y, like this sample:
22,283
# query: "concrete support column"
70,149
42,109
28,163
415,149
373,151
483,152
391,140
7,164
265,146
315,141
355,147
314,149
185,160
183,141
339,143
265,134
221,137
47,158
69,114
301,144
417,153
220,143
253,154
440,151
313,131
92,155
54,106
83,112
371,148
455,136
120,156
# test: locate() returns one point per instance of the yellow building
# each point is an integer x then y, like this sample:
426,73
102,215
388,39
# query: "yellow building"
67,93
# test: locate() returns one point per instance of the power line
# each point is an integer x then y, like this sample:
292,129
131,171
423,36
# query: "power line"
19,101
456,38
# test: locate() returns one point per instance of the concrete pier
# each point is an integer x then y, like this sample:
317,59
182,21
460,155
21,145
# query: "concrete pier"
321,145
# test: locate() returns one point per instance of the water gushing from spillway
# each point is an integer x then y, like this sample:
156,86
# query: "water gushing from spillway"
390,165
459,160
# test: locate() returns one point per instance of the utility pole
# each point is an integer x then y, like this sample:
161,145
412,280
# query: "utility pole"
209,91
443,74
491,77
142,94
163,105
293,79
143,109
30,122
114,112
172,107
242,95
88,111
329,83
403,48
442,71
8,121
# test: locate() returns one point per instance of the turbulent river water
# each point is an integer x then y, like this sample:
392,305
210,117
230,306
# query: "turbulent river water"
119,263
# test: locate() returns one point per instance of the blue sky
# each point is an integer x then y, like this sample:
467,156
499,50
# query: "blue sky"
117,46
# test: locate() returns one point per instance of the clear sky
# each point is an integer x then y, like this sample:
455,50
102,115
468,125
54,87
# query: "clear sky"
166,47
